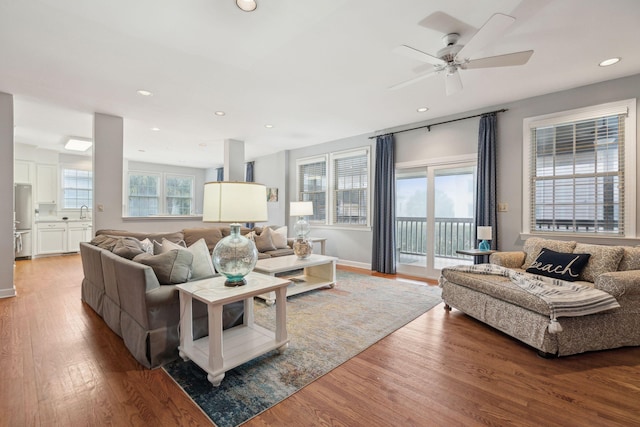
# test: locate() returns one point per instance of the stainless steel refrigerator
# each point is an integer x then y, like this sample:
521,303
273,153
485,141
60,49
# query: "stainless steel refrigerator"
23,220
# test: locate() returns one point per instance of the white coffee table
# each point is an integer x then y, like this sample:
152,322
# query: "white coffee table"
318,271
224,350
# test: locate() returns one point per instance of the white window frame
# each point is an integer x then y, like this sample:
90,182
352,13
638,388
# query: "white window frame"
329,160
332,190
627,107
64,167
167,176
307,161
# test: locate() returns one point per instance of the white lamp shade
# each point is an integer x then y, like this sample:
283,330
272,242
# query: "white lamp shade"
226,201
301,208
484,233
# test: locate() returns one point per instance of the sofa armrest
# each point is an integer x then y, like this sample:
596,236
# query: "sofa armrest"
513,259
619,283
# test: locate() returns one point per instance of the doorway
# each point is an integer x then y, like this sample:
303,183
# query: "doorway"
434,216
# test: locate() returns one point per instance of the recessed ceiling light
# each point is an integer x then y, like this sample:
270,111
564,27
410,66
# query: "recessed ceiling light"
268,126
247,5
219,113
77,144
142,151
202,144
422,109
144,92
609,61
155,129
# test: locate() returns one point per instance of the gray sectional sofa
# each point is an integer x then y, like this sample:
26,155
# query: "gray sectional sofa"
498,302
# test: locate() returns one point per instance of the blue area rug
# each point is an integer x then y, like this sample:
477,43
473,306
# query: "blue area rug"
326,327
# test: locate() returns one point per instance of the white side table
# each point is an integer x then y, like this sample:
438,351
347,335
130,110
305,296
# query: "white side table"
224,350
321,240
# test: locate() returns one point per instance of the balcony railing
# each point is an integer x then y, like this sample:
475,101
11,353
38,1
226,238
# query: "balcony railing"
450,235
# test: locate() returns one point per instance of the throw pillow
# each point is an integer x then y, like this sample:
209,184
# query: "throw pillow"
104,241
630,260
147,246
210,235
564,266
171,267
263,241
202,266
128,247
279,238
604,259
533,246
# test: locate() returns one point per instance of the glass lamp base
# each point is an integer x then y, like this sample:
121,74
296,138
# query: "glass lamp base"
302,248
235,283
484,246
235,256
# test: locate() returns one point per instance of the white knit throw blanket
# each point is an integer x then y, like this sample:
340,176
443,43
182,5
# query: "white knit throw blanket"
565,299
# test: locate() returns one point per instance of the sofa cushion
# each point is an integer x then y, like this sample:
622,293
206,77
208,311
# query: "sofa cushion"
630,259
280,252
128,247
264,241
210,235
202,266
175,237
105,241
171,267
533,246
559,265
604,259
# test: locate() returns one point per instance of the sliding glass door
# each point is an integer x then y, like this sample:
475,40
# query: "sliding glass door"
434,217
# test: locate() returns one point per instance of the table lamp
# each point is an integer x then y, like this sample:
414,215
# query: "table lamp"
301,246
484,234
234,202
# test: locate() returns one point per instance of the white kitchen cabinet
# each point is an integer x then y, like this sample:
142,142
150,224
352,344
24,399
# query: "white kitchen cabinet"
51,237
23,172
46,184
78,232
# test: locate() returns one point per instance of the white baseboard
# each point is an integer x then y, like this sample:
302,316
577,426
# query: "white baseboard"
8,293
355,264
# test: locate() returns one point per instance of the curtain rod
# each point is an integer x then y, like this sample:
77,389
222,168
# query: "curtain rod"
440,123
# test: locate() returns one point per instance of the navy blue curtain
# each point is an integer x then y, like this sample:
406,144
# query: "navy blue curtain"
486,212
220,172
249,178
383,258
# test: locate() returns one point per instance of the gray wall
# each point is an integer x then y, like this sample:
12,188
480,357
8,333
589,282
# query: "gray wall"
459,138
7,253
272,171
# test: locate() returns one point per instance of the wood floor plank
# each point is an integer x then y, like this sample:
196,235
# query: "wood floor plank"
61,365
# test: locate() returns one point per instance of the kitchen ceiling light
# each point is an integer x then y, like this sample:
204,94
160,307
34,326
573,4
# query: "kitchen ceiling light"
75,144
247,5
609,61
144,92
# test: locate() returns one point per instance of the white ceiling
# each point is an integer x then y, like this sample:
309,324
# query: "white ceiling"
317,70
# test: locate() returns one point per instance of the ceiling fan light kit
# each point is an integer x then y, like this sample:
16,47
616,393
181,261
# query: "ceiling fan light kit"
454,57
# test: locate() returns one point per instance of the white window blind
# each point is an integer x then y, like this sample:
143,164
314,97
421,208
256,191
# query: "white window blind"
312,186
350,188
576,171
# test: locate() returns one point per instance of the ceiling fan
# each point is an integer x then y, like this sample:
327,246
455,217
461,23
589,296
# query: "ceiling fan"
454,57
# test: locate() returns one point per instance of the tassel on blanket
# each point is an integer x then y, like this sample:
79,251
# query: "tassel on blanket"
554,326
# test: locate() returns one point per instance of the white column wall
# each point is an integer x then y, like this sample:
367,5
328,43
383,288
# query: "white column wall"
7,254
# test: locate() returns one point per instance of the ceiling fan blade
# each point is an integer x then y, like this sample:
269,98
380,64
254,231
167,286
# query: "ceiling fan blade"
418,55
490,31
453,83
412,80
507,60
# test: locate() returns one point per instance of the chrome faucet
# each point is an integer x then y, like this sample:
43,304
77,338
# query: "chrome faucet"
85,215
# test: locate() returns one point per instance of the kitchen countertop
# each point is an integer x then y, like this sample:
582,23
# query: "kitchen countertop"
62,220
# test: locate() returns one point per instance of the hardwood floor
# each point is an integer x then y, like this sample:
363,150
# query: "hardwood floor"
61,365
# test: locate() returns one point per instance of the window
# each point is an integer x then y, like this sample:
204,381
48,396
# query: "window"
312,186
338,186
351,188
77,188
577,166
144,194
179,194
160,194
